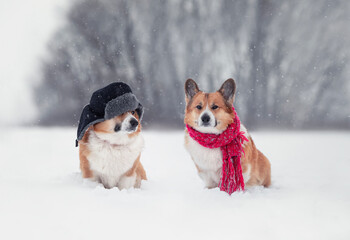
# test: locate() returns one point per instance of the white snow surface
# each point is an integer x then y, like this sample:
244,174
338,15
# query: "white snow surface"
43,195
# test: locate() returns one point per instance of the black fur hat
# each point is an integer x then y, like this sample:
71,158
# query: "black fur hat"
106,103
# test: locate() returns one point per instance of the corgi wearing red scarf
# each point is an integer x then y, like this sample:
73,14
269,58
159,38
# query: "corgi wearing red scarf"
221,148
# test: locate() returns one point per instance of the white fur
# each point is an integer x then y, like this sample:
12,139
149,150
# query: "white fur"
112,155
209,161
246,175
126,124
120,137
128,182
212,126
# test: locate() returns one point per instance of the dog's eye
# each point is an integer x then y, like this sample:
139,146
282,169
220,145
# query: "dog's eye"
199,107
132,112
214,107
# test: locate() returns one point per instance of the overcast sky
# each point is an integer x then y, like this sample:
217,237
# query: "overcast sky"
25,27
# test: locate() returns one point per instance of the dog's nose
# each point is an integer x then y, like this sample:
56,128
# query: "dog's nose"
134,123
205,119
117,127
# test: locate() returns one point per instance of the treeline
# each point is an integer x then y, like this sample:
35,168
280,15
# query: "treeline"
290,59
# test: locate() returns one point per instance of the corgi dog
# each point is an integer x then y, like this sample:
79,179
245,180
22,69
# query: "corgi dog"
110,152
212,113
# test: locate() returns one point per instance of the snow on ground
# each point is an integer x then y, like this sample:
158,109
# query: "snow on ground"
44,197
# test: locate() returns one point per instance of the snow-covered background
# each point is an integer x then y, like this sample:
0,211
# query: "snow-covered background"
290,59
44,197
42,193
26,27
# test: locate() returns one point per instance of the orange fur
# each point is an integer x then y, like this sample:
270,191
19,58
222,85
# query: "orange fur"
260,169
108,127
224,111
137,169
83,153
259,165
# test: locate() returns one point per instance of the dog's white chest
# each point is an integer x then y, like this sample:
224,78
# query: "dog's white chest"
206,159
209,160
110,162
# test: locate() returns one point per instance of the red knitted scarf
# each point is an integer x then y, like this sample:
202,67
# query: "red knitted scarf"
230,142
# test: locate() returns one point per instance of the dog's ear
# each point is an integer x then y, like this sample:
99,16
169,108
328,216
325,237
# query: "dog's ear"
228,90
191,89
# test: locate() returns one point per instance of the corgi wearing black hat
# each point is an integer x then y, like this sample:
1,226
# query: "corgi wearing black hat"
109,138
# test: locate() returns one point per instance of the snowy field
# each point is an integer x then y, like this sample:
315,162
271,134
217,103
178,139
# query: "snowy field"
44,197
